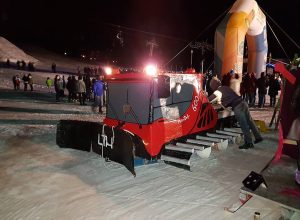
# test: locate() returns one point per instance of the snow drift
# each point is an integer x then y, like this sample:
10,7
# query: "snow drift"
13,53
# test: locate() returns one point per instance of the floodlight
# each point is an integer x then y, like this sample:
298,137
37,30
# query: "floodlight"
151,70
108,70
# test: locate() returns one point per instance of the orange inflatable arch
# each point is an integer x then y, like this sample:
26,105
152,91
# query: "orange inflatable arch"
245,20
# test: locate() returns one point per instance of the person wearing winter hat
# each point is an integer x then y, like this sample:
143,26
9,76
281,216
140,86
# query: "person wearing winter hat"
228,98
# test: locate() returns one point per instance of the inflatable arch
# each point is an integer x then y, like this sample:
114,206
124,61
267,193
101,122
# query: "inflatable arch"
244,20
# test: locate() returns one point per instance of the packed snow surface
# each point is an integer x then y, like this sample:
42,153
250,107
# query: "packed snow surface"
39,180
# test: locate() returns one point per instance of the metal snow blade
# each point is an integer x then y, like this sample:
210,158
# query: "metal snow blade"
109,142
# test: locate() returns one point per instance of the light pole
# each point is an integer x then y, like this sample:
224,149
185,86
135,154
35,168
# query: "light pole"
192,58
152,44
204,46
202,61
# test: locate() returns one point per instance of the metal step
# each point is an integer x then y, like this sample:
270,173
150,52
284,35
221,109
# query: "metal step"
223,136
175,160
178,148
205,143
208,138
236,130
219,144
238,137
192,146
201,151
228,133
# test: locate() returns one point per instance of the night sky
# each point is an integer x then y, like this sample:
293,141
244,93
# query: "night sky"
84,26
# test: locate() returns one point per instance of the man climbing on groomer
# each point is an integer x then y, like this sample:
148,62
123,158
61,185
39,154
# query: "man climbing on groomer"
228,98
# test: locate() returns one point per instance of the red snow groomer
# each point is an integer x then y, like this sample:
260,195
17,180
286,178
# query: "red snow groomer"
145,118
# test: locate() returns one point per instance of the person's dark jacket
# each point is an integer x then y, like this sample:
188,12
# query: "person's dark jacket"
223,94
25,79
274,86
262,85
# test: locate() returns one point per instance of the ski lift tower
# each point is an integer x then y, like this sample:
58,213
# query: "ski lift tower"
203,46
152,44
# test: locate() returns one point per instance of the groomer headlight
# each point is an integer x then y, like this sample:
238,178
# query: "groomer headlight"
151,70
108,70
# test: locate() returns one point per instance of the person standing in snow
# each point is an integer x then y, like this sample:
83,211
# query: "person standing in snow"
69,88
58,84
49,84
18,82
72,86
228,98
64,81
53,67
30,81
262,85
98,94
14,80
81,90
8,63
25,81
87,81
252,89
274,87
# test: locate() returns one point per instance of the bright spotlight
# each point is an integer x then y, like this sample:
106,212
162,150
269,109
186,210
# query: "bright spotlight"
108,70
151,70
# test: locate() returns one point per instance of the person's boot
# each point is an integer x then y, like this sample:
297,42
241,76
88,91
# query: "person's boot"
246,146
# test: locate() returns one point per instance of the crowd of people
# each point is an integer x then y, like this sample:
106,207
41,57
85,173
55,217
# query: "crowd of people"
81,89
249,87
75,89
86,87
21,65
27,81
239,94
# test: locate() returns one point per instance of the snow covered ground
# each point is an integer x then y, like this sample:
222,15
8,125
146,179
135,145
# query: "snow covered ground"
38,180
